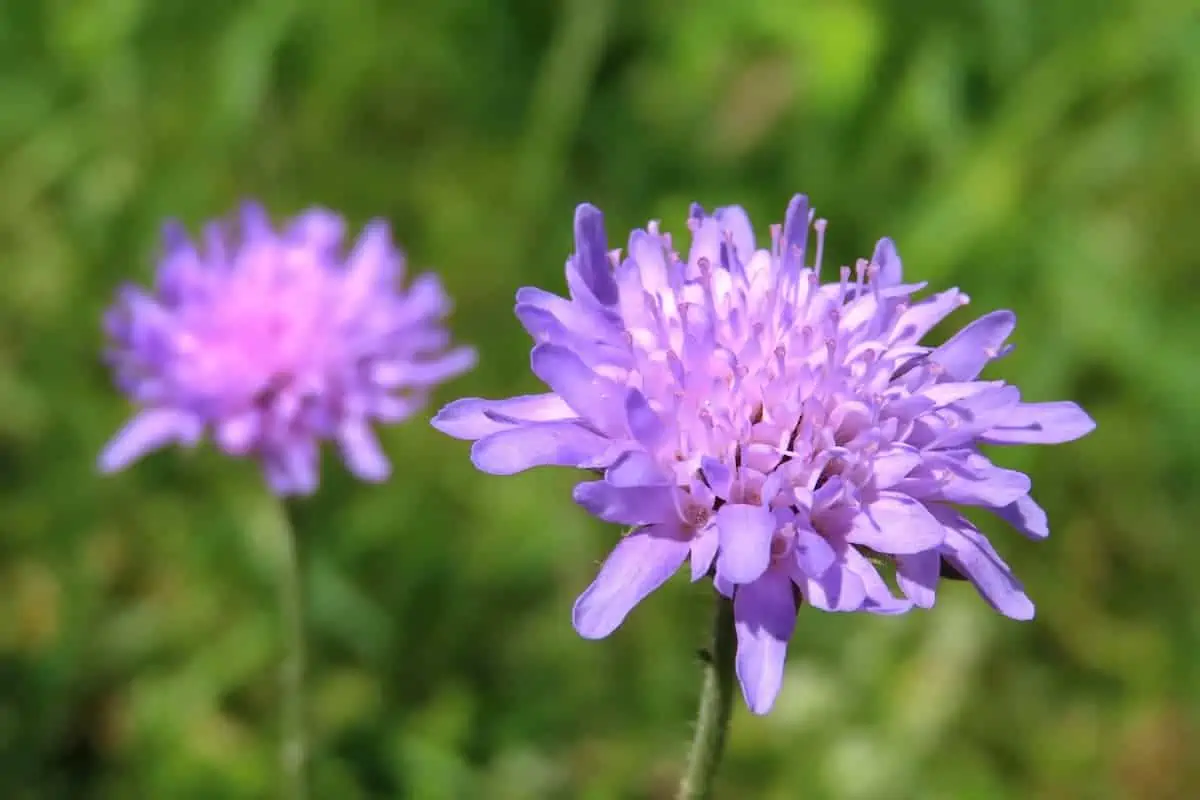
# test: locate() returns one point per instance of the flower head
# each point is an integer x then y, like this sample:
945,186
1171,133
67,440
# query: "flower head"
782,434
273,340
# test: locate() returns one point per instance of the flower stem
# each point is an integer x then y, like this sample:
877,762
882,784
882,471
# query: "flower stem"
293,744
716,707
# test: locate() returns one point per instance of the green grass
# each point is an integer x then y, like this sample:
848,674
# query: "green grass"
1045,156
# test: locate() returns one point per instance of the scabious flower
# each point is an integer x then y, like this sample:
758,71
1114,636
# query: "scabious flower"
275,339
784,435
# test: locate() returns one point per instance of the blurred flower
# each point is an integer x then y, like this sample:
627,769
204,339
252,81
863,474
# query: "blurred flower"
784,435
274,340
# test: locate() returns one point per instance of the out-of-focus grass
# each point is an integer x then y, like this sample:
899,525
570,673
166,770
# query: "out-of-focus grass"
1043,155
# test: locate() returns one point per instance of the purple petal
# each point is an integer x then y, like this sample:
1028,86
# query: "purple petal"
706,244
318,228
917,575
922,317
1041,423
814,555
892,465
704,551
970,553
896,524
838,589
962,420
637,468
238,434
1026,516
149,430
474,417
640,563
599,400
644,424
976,481
360,448
717,476
545,314
291,468
648,253
745,536
590,262
642,505
877,595
734,222
967,352
370,266
795,232
411,372
539,444
764,618
888,261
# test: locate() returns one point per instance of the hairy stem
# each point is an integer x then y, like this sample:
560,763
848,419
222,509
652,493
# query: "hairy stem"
716,707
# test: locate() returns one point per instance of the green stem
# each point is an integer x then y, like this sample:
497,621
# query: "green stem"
293,739
716,707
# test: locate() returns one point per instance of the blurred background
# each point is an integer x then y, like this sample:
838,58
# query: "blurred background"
1045,156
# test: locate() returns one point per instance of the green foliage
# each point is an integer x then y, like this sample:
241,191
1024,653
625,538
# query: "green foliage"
1043,155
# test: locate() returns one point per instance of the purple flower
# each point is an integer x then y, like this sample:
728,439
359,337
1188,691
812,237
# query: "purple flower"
273,340
783,435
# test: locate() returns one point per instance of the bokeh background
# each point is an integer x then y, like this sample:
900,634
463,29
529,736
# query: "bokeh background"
1042,154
